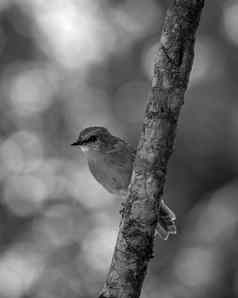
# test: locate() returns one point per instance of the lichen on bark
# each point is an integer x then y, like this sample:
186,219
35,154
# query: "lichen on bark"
134,246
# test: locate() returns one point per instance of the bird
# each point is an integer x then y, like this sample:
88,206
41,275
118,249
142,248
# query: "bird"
110,160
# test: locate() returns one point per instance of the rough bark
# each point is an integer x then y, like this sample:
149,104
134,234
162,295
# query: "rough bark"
134,247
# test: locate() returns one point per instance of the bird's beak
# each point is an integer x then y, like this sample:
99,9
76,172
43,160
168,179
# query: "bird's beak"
77,143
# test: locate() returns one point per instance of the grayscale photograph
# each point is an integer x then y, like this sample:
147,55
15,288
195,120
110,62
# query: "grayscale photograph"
118,148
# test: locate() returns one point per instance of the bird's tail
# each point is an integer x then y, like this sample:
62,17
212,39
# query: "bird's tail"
166,222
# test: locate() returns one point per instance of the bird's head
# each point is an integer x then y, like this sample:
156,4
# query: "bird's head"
95,138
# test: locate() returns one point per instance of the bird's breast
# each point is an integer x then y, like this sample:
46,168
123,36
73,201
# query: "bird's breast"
112,175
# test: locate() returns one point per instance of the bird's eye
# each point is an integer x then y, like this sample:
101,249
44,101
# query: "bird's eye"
91,139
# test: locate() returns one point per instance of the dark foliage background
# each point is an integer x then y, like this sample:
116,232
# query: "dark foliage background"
65,65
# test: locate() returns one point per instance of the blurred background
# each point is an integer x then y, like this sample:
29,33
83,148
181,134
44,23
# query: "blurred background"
65,65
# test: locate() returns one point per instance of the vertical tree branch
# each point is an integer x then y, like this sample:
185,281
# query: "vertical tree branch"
134,246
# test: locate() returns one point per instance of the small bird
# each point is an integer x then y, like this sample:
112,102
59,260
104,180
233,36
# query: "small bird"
110,160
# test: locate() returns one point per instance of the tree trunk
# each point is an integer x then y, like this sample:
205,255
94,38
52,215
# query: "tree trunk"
134,247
